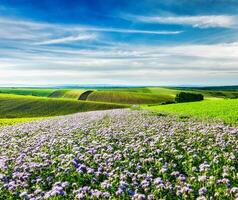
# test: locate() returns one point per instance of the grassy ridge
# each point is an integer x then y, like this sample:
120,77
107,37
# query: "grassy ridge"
67,93
128,97
223,109
232,94
132,89
16,106
217,93
27,91
164,91
131,95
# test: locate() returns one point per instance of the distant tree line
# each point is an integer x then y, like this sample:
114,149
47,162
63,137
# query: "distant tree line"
188,97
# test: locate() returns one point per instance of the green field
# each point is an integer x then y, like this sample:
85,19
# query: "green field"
13,107
154,95
122,95
218,93
129,97
208,93
12,121
42,92
67,93
134,140
221,109
23,104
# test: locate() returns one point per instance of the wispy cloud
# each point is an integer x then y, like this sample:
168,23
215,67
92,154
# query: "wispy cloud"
132,31
68,39
46,33
201,21
126,58
24,61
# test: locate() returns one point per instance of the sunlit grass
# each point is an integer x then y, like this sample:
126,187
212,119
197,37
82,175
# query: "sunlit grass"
13,121
223,109
28,91
16,106
129,97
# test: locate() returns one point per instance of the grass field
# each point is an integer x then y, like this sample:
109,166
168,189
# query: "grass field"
223,109
153,95
164,91
13,121
128,97
208,93
23,104
218,92
67,93
16,106
27,91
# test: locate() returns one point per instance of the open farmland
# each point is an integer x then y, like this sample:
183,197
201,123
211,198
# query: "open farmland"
54,102
41,92
118,95
118,154
118,100
128,97
67,93
218,92
17,108
223,109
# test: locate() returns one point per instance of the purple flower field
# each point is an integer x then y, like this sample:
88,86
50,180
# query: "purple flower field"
118,154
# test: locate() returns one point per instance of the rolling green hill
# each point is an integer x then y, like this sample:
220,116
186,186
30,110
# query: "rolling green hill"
41,92
16,106
218,92
128,97
164,91
67,93
223,109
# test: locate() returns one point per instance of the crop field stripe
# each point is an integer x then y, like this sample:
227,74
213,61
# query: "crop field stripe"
16,106
223,109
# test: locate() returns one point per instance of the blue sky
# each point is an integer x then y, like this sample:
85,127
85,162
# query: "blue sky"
126,42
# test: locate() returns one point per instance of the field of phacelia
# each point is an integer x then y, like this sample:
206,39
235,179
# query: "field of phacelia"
118,154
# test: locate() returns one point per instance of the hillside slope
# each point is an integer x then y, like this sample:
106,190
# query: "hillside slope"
67,93
41,92
16,106
223,109
128,97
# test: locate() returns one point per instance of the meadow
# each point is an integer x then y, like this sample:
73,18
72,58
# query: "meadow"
45,102
41,92
67,93
128,97
20,108
58,147
210,109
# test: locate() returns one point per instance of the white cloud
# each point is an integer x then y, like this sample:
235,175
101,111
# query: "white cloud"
46,33
68,39
220,57
118,30
202,21
25,62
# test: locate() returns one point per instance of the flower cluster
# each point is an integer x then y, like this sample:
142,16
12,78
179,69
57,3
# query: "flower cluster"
118,154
